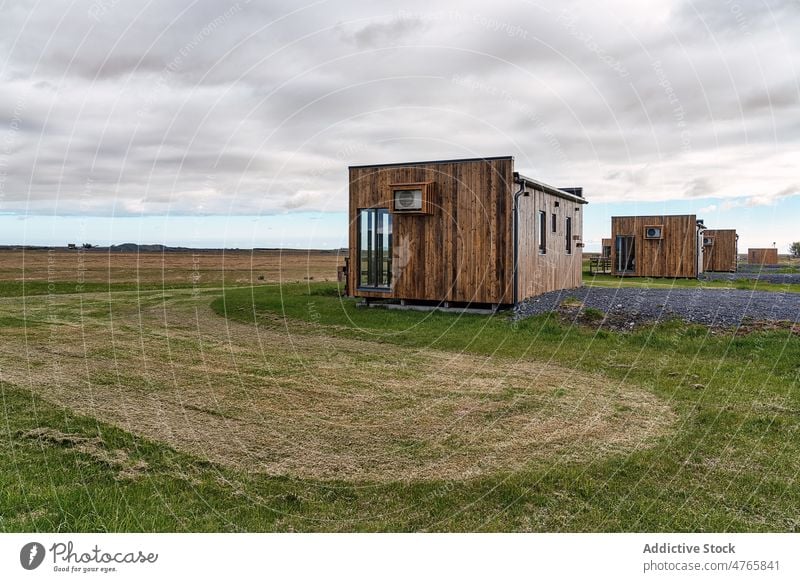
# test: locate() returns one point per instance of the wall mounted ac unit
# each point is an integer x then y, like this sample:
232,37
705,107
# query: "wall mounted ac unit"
653,232
407,200
707,241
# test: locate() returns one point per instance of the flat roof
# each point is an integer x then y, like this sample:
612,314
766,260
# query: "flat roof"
650,215
517,176
425,162
549,189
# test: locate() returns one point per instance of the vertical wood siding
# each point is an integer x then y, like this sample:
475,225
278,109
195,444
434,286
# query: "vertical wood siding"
555,269
762,256
721,255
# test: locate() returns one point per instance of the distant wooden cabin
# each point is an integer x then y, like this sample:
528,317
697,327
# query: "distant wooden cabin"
720,250
762,256
605,249
657,246
444,233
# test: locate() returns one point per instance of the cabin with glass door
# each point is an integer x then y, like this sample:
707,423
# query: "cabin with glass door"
451,233
657,246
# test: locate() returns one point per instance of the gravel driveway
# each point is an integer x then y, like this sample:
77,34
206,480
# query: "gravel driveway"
721,307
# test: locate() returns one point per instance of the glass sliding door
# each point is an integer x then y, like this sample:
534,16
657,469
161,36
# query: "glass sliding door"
375,248
626,254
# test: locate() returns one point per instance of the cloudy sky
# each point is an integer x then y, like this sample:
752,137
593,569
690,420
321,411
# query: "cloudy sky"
232,123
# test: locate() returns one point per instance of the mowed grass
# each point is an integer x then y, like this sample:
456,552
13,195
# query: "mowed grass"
726,457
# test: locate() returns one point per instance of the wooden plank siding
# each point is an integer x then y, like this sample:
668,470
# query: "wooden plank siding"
722,253
463,252
768,256
674,255
555,269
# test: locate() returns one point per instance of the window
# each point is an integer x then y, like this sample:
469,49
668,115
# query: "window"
553,222
568,232
375,248
542,232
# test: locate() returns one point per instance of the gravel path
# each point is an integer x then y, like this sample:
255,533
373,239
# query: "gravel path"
721,307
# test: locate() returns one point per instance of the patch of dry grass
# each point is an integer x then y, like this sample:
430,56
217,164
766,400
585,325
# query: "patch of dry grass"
201,267
93,447
311,405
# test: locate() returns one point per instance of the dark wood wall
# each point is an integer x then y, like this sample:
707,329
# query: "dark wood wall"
674,255
721,254
762,256
462,252
555,269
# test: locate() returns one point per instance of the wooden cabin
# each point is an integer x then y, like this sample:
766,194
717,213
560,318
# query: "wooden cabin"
657,246
449,233
605,249
767,256
720,250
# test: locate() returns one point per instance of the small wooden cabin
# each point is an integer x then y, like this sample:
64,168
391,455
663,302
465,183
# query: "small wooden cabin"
605,250
767,256
450,232
720,250
657,246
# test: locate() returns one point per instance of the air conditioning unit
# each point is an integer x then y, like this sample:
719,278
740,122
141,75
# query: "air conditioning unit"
707,241
408,200
653,232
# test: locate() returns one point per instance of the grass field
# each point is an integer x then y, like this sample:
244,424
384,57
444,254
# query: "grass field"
38,272
283,407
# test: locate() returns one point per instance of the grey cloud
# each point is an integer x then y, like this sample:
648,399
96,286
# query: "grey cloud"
250,108
382,33
699,188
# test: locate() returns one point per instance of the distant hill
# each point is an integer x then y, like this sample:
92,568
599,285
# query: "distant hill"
137,248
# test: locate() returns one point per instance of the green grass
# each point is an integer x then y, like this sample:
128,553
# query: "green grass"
657,283
730,463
